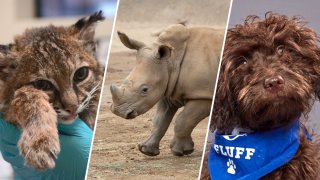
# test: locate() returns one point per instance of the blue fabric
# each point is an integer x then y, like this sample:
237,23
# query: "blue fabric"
249,156
75,141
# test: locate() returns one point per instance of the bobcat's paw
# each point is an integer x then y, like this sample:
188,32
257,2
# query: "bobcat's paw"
39,151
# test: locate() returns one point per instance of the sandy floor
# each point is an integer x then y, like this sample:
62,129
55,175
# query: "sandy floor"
115,154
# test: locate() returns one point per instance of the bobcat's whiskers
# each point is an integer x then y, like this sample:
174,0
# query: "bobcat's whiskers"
86,102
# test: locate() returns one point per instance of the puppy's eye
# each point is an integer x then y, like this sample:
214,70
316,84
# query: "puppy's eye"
280,49
81,74
43,85
243,60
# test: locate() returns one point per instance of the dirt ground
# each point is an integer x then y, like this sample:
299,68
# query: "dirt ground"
115,154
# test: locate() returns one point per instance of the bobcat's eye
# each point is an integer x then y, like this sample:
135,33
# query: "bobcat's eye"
81,74
43,85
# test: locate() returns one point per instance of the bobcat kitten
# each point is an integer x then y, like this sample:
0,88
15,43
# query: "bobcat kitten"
49,74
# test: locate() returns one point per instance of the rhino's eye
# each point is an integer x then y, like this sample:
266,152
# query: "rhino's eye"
43,85
144,90
81,74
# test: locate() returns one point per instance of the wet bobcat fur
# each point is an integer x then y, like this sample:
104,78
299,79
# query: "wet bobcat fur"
47,75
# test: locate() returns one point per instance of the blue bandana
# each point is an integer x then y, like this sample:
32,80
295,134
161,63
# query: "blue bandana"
253,155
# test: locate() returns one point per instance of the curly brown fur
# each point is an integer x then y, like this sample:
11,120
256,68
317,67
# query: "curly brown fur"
270,74
205,175
49,74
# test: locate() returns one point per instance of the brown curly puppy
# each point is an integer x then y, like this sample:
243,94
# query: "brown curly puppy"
269,76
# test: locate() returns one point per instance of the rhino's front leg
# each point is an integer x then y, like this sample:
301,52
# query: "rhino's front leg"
161,122
193,112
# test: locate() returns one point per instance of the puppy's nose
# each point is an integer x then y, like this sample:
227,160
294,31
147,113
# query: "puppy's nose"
273,83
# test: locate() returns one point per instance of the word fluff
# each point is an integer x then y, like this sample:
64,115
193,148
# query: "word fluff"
234,152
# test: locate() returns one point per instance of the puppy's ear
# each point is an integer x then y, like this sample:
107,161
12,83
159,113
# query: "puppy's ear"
224,115
306,44
7,62
316,76
85,30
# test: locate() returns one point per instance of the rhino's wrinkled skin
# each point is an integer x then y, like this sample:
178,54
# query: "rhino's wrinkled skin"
178,70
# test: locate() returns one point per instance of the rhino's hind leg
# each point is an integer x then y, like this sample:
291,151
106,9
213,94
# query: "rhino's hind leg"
161,122
193,112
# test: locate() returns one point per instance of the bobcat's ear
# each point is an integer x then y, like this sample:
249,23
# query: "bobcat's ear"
85,28
7,62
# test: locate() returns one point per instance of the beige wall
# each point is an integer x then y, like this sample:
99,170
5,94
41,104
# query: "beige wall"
15,17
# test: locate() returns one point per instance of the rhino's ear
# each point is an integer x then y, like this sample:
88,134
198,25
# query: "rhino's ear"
130,43
85,28
7,62
164,52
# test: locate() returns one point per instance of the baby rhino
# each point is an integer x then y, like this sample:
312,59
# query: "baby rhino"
178,70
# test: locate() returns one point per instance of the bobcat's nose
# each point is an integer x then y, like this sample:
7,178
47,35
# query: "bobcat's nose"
72,109
69,100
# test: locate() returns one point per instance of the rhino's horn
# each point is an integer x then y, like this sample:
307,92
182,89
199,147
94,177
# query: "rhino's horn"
115,92
130,43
